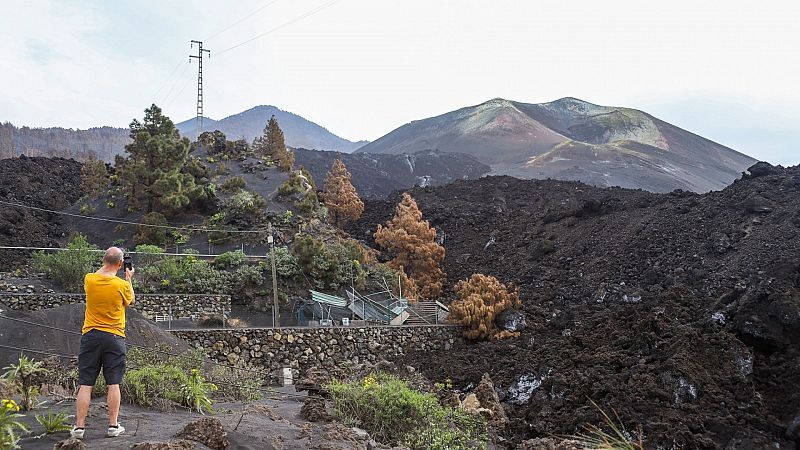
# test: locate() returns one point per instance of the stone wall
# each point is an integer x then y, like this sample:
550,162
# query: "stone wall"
149,305
302,348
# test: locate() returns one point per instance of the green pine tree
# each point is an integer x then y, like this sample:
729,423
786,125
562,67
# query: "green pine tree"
157,173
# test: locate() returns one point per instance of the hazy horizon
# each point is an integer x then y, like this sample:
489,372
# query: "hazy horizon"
363,68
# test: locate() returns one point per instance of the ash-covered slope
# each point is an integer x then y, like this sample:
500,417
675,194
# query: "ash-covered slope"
680,311
50,183
298,131
572,139
376,175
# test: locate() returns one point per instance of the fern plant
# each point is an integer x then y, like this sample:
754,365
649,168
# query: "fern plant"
53,422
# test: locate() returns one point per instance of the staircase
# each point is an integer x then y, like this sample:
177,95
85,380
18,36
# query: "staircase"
422,313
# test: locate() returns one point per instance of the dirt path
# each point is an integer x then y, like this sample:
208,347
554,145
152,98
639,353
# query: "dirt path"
273,423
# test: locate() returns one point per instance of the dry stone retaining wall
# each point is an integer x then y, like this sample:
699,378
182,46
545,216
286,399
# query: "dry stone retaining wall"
149,305
303,348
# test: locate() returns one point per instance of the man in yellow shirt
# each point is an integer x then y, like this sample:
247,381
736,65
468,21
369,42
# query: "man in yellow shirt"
103,342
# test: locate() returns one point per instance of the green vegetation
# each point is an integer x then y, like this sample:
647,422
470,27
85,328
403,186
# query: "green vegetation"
286,264
67,268
233,184
11,425
293,185
393,413
160,272
244,209
619,438
229,260
94,178
54,422
157,173
87,209
20,377
272,144
196,391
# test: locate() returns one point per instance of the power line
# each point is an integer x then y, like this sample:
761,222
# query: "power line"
197,255
175,83
283,25
240,20
168,79
125,222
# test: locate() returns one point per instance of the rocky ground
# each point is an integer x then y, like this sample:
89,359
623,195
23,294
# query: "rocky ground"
679,311
51,183
271,424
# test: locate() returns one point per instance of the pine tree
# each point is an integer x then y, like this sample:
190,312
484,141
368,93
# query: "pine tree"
480,299
272,144
154,170
412,241
340,196
94,177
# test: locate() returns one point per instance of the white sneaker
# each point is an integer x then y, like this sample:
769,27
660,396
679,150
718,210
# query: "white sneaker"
115,431
77,433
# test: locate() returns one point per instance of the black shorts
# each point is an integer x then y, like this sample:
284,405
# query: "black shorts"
100,349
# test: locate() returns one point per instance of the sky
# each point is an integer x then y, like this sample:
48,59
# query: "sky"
725,70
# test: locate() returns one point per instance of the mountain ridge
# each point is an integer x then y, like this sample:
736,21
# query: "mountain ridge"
299,132
573,139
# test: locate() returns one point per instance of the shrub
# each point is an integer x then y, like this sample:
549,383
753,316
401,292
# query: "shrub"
480,300
11,424
155,235
309,203
21,377
151,385
393,413
67,268
244,208
87,209
294,185
237,384
196,391
286,264
233,184
319,262
618,439
229,259
54,422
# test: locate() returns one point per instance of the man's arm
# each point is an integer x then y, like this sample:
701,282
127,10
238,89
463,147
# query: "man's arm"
129,279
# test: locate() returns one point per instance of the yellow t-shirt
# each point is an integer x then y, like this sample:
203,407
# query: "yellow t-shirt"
106,299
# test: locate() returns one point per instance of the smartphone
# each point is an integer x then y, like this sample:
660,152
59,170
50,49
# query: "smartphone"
127,263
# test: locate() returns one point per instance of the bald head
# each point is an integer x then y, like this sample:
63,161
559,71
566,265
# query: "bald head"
113,256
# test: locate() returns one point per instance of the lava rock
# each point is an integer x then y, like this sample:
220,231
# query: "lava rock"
793,430
207,431
70,444
489,400
762,168
511,320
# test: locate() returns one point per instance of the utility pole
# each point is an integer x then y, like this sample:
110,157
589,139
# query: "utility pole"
276,315
199,57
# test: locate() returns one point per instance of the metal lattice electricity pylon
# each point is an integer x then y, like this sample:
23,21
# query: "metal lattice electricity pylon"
199,57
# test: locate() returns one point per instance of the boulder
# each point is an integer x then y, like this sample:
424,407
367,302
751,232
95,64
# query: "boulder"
511,320
314,409
490,401
70,444
761,169
207,431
